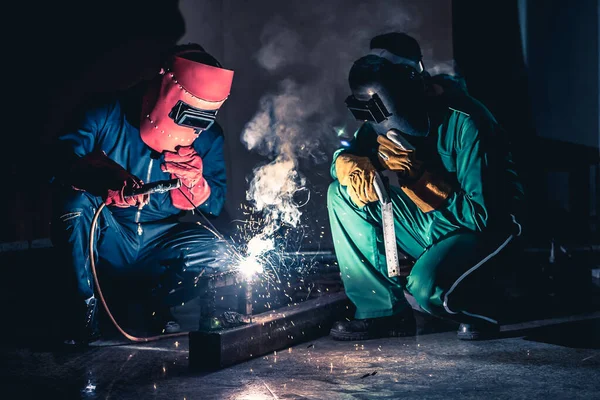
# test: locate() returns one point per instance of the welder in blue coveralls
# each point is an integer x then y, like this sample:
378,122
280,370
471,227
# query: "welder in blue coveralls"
160,130
457,205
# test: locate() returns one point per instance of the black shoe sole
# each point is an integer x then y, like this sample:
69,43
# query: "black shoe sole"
468,335
349,336
477,335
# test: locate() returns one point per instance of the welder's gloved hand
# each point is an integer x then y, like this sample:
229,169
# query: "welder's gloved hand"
399,160
118,197
430,191
186,165
99,175
357,174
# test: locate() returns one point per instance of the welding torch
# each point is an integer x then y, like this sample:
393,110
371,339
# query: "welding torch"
153,187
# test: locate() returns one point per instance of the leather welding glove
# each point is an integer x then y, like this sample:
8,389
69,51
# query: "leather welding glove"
357,174
186,165
101,176
429,192
426,188
396,159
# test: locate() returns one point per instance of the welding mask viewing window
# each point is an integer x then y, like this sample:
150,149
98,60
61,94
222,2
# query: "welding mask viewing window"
372,110
185,115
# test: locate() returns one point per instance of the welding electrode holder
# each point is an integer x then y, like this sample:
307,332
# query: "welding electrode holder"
154,187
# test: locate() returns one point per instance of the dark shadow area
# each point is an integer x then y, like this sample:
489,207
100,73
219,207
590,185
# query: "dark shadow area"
578,335
66,52
501,56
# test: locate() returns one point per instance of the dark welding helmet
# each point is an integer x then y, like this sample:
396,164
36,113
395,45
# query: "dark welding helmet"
389,94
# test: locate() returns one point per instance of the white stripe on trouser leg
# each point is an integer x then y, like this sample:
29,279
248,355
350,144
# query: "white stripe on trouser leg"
463,276
479,264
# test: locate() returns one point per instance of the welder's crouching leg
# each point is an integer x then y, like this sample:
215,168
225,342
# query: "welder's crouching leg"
381,307
453,279
360,255
187,253
70,237
182,255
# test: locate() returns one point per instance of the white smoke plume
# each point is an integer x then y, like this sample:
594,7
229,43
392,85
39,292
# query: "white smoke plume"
296,124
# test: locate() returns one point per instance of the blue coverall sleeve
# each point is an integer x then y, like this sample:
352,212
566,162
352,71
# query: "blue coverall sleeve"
82,136
214,171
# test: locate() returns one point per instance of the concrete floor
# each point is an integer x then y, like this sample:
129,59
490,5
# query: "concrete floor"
551,362
556,362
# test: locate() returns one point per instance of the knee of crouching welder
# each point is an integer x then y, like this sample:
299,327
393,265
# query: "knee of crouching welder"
72,215
424,294
208,259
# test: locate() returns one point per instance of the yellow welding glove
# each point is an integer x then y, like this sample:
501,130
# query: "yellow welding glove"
397,159
429,192
357,174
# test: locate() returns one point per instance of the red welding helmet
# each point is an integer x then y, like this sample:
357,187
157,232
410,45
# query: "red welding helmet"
183,103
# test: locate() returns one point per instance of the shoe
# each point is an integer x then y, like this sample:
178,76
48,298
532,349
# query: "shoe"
163,322
85,330
373,328
478,331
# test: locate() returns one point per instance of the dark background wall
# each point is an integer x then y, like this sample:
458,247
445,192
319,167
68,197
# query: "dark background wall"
540,81
562,56
535,65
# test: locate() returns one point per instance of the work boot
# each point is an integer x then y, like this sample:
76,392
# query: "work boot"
478,331
85,330
373,328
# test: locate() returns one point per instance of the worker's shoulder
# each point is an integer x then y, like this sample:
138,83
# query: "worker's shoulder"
472,108
209,138
96,108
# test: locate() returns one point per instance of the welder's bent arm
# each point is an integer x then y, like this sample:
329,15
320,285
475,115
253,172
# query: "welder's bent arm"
79,140
468,206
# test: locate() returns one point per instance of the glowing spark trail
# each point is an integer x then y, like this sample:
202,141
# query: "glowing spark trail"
251,264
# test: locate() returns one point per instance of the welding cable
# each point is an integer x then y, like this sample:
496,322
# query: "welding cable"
101,295
212,229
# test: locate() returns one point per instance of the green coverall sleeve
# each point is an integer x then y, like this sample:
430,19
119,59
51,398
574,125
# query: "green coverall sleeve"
467,206
335,157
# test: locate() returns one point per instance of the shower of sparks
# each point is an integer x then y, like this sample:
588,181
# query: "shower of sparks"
252,264
270,255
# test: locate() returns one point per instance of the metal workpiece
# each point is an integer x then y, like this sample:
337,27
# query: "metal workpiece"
268,331
245,299
209,320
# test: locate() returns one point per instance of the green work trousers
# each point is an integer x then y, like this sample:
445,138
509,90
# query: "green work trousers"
449,278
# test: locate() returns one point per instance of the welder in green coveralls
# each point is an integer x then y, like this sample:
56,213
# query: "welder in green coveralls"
456,204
